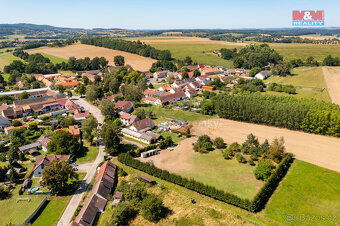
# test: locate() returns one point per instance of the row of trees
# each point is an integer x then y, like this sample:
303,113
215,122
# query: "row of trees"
290,89
83,64
136,47
256,205
297,114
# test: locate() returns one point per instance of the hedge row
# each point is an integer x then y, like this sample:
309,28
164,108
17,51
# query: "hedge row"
259,201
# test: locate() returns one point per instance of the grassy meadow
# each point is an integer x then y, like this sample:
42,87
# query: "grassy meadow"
200,53
308,195
228,175
296,50
304,76
164,114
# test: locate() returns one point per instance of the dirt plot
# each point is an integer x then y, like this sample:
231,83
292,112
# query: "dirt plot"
332,78
80,51
316,149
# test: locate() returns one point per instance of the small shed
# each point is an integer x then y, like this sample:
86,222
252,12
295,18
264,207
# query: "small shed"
146,179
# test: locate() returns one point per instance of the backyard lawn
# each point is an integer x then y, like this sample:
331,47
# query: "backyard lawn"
308,195
228,175
90,155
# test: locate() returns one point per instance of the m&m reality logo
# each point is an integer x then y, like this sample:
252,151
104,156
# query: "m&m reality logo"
308,18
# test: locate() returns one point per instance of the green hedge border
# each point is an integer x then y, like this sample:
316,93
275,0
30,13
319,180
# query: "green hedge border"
256,205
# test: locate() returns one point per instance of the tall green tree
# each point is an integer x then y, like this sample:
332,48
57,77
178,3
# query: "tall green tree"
63,142
119,60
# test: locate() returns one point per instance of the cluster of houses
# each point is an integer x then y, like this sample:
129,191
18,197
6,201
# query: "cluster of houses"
98,198
41,102
189,87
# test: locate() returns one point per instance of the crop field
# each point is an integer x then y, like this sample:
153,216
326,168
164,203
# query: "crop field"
304,76
80,51
308,195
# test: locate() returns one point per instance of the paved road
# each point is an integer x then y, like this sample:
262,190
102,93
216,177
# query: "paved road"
77,197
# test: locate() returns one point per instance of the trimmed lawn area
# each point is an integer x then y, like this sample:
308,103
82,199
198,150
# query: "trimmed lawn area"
174,136
228,175
16,212
308,195
164,114
90,155
52,211
57,204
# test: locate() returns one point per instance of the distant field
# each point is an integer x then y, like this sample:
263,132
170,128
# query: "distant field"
7,59
54,59
296,50
80,51
308,195
304,76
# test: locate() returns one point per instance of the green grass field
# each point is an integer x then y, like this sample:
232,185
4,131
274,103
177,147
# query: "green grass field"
304,76
90,155
52,211
54,59
163,115
227,175
295,50
7,59
199,53
309,195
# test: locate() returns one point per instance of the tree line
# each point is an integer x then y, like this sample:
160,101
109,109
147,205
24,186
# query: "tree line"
83,64
255,205
136,47
298,114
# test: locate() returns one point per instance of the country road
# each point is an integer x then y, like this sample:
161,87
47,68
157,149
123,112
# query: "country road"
333,83
77,197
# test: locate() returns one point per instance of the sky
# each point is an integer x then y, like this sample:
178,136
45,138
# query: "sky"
158,14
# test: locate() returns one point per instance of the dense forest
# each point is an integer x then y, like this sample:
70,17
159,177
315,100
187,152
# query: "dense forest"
136,47
298,114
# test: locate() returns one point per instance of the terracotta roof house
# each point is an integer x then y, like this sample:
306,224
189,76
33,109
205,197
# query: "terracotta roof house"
208,88
209,71
45,161
191,93
164,88
142,125
70,105
128,119
124,106
80,114
98,198
7,129
74,130
149,92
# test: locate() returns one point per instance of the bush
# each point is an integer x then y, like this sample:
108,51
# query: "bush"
219,143
122,214
228,154
251,162
240,158
152,208
264,169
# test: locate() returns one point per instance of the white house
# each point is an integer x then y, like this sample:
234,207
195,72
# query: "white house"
262,75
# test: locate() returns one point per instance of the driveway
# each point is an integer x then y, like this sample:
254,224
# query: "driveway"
77,197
